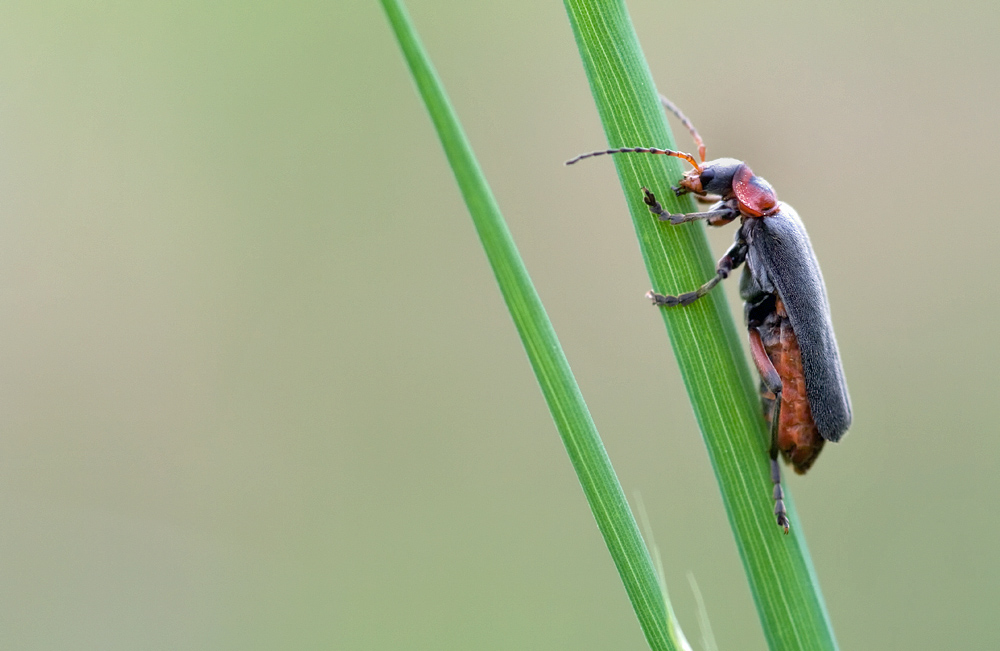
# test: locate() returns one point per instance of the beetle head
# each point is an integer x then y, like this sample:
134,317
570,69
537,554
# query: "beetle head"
714,177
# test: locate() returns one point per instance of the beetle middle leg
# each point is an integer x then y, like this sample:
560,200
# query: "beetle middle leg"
772,381
733,258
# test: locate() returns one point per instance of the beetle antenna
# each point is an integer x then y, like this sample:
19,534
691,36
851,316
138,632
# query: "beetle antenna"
670,106
639,150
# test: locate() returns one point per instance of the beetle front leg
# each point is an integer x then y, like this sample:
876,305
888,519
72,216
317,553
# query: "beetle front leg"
716,217
772,381
733,258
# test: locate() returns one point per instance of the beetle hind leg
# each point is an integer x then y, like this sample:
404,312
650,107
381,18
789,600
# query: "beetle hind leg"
778,494
772,381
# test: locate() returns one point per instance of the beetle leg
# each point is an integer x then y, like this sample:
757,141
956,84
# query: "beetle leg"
733,258
715,217
707,199
772,381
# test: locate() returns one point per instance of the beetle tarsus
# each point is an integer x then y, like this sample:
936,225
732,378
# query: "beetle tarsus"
780,514
664,300
654,207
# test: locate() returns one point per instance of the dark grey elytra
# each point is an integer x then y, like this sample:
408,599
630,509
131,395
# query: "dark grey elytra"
780,260
786,309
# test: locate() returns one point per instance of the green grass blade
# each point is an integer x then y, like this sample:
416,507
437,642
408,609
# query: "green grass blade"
572,418
703,335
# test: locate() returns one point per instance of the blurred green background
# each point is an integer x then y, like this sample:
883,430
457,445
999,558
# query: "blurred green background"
258,389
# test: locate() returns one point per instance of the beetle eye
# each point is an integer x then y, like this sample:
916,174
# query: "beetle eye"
707,175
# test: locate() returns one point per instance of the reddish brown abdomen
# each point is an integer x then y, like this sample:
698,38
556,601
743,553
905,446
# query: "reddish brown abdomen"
798,438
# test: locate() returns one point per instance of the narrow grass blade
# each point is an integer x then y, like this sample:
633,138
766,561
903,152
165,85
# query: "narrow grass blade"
703,335
708,642
572,418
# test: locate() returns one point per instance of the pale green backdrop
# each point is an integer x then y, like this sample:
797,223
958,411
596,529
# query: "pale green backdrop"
258,389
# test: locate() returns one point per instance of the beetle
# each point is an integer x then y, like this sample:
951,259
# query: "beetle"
803,392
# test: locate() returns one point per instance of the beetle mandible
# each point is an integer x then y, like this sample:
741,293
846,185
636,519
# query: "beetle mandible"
803,391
